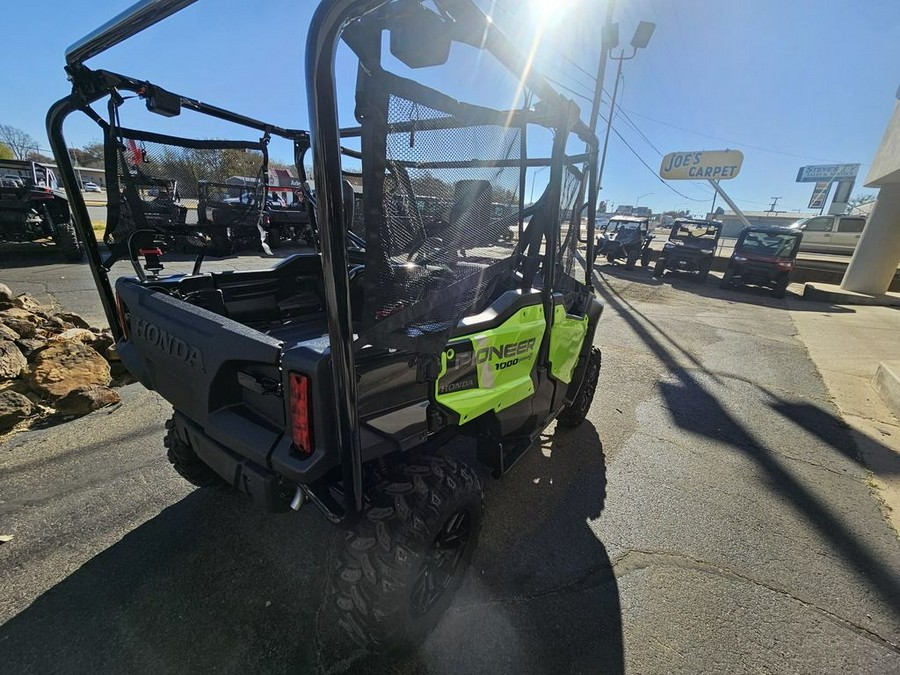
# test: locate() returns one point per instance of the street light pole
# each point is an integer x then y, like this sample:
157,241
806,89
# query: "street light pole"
642,36
646,194
533,176
601,66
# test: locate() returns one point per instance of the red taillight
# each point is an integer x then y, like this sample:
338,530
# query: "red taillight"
120,310
301,409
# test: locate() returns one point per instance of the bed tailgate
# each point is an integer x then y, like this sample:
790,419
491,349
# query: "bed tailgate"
204,364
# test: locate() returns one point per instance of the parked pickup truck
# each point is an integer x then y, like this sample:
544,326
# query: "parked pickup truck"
830,234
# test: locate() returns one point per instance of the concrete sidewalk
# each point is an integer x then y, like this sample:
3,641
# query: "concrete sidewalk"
847,344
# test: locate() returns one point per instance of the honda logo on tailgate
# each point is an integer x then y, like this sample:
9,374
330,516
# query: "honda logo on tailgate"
169,344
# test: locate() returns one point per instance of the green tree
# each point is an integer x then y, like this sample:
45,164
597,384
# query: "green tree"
90,156
39,157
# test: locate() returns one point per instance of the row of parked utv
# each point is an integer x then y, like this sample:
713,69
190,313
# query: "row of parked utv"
762,256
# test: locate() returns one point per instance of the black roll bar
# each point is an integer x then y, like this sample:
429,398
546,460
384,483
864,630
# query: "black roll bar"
321,96
55,118
132,21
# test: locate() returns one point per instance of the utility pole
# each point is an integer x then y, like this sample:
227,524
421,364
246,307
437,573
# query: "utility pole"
601,66
774,203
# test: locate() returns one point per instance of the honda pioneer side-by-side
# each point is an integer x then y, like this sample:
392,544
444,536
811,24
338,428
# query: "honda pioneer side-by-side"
628,238
763,256
690,248
336,376
32,207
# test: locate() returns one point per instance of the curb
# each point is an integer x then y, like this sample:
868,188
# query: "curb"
887,383
838,296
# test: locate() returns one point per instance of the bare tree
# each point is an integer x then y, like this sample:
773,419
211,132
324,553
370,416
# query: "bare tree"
861,199
20,142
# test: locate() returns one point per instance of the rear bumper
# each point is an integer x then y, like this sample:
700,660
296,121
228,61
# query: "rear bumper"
759,275
241,473
687,263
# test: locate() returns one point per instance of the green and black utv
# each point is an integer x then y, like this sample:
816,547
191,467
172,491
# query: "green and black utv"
336,376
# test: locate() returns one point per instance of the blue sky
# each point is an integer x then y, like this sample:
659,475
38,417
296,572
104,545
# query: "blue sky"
787,82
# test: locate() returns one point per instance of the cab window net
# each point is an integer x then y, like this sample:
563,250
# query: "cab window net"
571,199
193,196
440,208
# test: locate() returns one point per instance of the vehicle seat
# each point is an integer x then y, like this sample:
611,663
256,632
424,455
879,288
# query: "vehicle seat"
470,215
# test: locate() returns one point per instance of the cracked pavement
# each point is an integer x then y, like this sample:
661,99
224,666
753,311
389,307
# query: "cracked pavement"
712,515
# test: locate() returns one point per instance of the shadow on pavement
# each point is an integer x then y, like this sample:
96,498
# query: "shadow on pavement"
693,408
829,429
213,584
541,596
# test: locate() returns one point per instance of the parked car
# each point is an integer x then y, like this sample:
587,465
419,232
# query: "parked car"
763,256
830,234
91,187
625,237
691,246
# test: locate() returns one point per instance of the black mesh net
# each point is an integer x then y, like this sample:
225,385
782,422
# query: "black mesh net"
441,242
571,198
196,196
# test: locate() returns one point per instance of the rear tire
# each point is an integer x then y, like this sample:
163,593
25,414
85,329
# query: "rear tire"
273,238
727,278
68,242
631,260
185,461
395,572
660,268
574,414
703,271
610,257
645,257
779,290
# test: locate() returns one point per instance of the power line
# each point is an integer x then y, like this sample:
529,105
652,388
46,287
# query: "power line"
656,175
731,142
569,89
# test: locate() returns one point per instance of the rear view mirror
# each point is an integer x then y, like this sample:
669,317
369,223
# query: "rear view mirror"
419,37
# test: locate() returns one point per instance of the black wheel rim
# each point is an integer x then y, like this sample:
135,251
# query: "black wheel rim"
442,561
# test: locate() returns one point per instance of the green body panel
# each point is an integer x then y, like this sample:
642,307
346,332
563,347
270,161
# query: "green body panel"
491,370
566,337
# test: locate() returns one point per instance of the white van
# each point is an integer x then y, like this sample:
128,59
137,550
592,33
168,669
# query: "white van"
830,234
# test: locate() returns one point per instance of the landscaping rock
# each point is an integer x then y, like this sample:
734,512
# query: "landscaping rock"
100,341
12,361
13,409
83,400
73,319
7,333
64,366
30,346
6,294
29,304
22,321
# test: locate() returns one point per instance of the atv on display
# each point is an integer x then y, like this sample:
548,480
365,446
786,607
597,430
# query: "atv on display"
691,247
336,376
32,207
628,238
763,256
242,221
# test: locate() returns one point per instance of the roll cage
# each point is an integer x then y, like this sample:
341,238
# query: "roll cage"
543,258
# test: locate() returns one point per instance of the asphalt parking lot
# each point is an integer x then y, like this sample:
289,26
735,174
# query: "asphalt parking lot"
712,515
